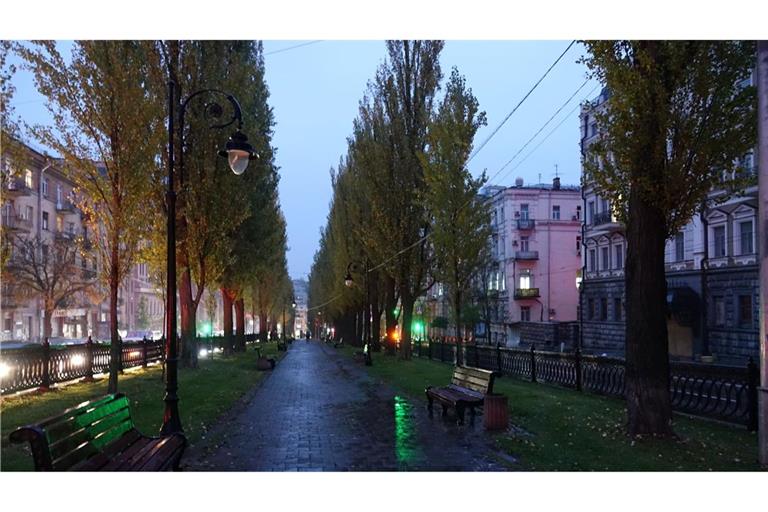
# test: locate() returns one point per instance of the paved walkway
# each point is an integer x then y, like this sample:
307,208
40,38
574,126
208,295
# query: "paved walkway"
320,411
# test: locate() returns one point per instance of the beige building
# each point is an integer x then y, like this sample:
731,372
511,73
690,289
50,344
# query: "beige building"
36,200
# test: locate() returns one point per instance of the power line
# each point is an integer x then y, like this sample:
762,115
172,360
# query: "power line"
542,128
481,146
293,47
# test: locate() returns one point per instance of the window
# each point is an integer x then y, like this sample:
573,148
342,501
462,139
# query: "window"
591,212
603,309
524,211
556,212
502,214
524,246
748,163
71,228
59,223
591,309
525,313
592,260
578,213
604,260
604,205
45,253
593,129
29,213
58,194
618,261
745,311
525,280
28,178
617,307
719,317
746,237
578,245
45,187
45,220
719,236
679,246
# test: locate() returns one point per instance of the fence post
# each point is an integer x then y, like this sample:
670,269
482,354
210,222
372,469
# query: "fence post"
477,357
577,356
752,382
45,385
533,362
442,347
89,360
144,352
498,357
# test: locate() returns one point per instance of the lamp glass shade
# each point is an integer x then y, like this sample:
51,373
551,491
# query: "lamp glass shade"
348,282
238,160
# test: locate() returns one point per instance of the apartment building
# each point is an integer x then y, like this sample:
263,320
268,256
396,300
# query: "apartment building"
536,251
301,295
711,268
37,201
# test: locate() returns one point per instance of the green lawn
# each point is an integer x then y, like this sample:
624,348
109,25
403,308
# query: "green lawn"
564,430
204,394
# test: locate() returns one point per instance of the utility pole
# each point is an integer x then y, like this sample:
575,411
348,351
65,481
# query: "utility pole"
762,163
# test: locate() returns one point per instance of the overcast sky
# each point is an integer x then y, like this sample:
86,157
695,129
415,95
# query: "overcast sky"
315,89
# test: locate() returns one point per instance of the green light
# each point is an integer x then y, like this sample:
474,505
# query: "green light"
418,327
206,329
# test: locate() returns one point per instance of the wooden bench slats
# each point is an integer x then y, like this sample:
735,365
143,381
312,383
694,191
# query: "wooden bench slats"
98,435
468,388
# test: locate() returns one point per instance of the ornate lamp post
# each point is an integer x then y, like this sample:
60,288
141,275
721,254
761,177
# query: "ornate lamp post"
238,153
349,282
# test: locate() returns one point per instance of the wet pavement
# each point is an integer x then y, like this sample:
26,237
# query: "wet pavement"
321,411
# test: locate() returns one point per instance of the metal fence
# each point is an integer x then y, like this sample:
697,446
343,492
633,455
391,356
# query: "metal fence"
43,365
726,393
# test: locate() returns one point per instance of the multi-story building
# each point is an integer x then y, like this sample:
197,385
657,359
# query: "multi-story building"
712,272
301,295
536,252
37,202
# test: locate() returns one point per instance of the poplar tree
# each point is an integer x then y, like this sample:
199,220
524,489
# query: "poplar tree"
675,127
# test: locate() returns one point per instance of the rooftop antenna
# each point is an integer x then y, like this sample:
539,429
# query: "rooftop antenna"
556,175
539,177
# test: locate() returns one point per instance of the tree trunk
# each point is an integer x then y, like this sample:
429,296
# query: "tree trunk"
649,409
263,330
459,330
375,327
115,350
47,323
407,302
227,299
188,319
240,321
390,303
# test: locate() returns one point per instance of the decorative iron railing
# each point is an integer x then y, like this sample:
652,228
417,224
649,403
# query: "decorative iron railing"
41,366
726,393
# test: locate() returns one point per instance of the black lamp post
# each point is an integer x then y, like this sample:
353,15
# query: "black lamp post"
238,153
349,282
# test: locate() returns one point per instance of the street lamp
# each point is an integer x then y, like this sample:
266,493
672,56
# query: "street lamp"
349,282
238,153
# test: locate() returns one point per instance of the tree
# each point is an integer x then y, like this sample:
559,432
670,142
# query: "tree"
675,125
460,217
108,126
54,270
142,314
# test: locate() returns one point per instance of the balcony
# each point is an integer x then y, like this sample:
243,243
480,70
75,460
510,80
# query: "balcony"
526,255
602,218
526,224
18,187
65,206
65,235
16,223
526,293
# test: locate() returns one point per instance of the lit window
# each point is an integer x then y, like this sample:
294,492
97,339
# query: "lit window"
525,281
28,178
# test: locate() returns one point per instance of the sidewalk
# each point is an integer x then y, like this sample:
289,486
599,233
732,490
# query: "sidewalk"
320,411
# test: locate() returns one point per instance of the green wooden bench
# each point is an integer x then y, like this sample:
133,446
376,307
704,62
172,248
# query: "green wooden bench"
98,435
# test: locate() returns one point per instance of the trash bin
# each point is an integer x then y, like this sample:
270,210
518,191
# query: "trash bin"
495,412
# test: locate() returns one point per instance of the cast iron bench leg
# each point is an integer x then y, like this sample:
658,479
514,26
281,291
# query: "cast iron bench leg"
460,413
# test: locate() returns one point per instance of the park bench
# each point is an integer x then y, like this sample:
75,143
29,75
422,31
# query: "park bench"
468,388
98,436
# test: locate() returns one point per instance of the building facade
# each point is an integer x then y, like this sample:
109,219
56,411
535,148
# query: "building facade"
37,201
711,269
301,296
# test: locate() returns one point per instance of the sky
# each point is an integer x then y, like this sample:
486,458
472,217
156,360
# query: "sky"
315,88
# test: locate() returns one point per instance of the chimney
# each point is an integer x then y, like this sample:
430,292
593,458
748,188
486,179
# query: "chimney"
556,183
519,182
